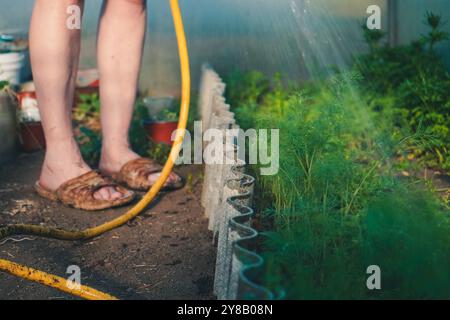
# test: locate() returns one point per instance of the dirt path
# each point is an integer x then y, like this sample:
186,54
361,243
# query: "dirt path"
165,253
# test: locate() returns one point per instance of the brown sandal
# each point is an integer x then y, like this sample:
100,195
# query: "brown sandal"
79,193
134,174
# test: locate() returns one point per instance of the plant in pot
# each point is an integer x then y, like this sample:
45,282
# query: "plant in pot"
86,111
87,128
160,127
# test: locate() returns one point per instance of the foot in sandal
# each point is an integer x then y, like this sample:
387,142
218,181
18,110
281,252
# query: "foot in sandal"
127,167
67,178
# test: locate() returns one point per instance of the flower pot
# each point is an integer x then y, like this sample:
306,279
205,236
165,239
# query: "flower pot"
32,136
160,131
28,107
31,133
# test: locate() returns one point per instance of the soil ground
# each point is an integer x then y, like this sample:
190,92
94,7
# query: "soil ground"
165,253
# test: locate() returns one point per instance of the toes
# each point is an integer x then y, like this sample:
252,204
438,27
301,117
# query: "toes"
173,178
102,194
107,193
115,195
152,178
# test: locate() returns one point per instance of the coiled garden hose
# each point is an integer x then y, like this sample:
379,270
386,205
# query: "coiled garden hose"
61,234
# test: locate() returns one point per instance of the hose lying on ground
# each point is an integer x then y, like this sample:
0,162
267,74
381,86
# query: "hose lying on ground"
62,234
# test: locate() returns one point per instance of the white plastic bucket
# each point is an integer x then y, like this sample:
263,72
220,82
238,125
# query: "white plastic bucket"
11,66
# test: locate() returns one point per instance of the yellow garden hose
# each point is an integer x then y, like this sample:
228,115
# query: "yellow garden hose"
61,234
53,281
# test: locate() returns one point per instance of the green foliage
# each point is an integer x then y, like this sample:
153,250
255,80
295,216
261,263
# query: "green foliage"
3,84
158,152
248,87
406,231
169,114
90,144
89,107
89,136
138,136
337,204
415,77
373,37
436,35
87,118
88,131
331,252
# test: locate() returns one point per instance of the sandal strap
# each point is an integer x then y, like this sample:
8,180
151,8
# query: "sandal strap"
81,190
136,172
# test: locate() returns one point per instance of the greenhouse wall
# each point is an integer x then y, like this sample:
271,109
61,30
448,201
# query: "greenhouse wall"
299,38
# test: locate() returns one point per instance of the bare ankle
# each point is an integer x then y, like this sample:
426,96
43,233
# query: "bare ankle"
63,161
113,158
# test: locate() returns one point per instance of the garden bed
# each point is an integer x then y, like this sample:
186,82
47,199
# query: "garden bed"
363,176
344,200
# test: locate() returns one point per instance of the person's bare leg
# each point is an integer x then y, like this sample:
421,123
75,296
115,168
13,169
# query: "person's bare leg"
120,44
54,53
